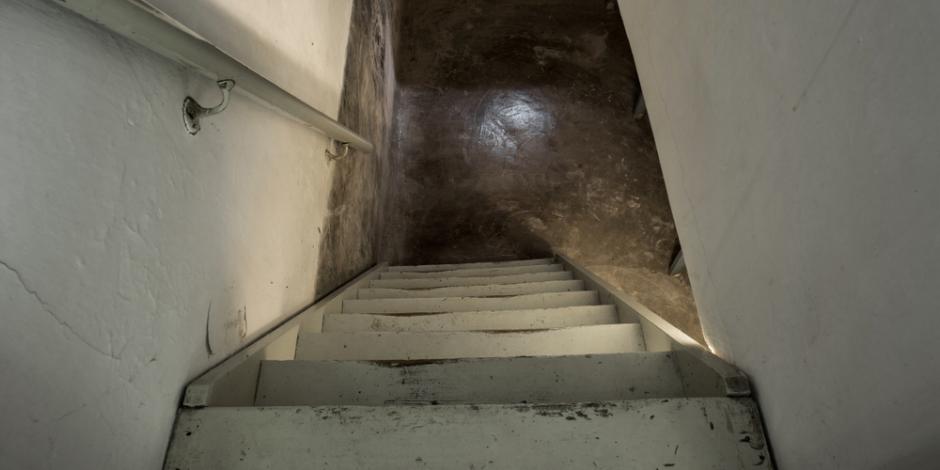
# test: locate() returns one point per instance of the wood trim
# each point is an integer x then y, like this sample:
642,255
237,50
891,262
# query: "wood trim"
234,381
703,372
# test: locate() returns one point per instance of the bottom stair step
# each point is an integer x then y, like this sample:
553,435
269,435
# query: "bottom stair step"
407,345
685,433
503,380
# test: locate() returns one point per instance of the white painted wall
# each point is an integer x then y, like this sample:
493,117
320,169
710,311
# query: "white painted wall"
800,146
118,230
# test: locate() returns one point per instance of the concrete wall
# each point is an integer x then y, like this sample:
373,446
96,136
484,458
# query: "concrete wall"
514,137
799,145
361,182
133,255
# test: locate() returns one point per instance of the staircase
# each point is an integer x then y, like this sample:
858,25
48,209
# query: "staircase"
522,364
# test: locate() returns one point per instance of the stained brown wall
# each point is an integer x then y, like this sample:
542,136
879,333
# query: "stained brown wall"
350,237
514,136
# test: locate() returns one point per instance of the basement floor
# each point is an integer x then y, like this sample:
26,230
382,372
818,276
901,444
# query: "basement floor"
513,135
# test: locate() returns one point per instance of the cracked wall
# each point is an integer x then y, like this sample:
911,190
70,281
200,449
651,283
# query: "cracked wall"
132,255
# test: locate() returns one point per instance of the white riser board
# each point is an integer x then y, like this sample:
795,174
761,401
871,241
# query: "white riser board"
466,321
565,379
484,264
377,346
492,290
468,304
472,272
682,433
431,283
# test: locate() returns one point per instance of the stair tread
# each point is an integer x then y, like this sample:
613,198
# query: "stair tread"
470,272
496,380
482,264
529,319
465,365
432,282
464,304
489,290
409,345
679,433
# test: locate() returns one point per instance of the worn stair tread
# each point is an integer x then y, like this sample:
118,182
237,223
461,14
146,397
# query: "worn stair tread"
466,304
483,264
682,433
472,272
561,379
501,320
490,290
409,345
430,283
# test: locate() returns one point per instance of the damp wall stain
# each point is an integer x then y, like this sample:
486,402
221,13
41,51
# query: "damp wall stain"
350,233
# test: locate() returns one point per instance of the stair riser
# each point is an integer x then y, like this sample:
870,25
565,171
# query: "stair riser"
493,290
604,339
469,321
430,283
479,272
483,265
469,304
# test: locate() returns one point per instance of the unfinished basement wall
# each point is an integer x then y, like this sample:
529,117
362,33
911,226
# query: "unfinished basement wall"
799,146
351,240
132,255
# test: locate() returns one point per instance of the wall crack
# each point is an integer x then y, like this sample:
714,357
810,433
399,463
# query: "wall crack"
48,309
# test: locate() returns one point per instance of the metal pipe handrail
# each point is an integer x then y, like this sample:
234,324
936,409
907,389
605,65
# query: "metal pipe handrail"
155,31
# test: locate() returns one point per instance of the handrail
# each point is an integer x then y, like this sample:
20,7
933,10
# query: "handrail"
154,30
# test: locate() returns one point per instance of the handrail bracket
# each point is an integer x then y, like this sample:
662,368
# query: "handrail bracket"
193,111
335,144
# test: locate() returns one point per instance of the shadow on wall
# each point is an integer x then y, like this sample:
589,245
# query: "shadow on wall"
494,44
470,226
300,65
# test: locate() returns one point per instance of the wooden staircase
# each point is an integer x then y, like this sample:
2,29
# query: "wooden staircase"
520,364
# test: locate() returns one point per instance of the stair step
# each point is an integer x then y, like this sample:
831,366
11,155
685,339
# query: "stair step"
501,320
467,304
562,379
407,345
490,290
485,264
472,272
681,433
430,283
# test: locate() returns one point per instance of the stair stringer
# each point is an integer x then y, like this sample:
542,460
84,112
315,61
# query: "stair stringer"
234,381
703,373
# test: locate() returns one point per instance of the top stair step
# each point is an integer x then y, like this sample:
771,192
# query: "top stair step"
487,264
472,272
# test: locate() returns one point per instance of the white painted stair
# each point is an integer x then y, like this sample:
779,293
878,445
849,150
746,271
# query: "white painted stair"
525,319
518,364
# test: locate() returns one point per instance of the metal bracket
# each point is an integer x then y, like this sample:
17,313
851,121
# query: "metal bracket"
193,111
334,144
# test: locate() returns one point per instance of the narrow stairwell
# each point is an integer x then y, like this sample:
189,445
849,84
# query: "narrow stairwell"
521,364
